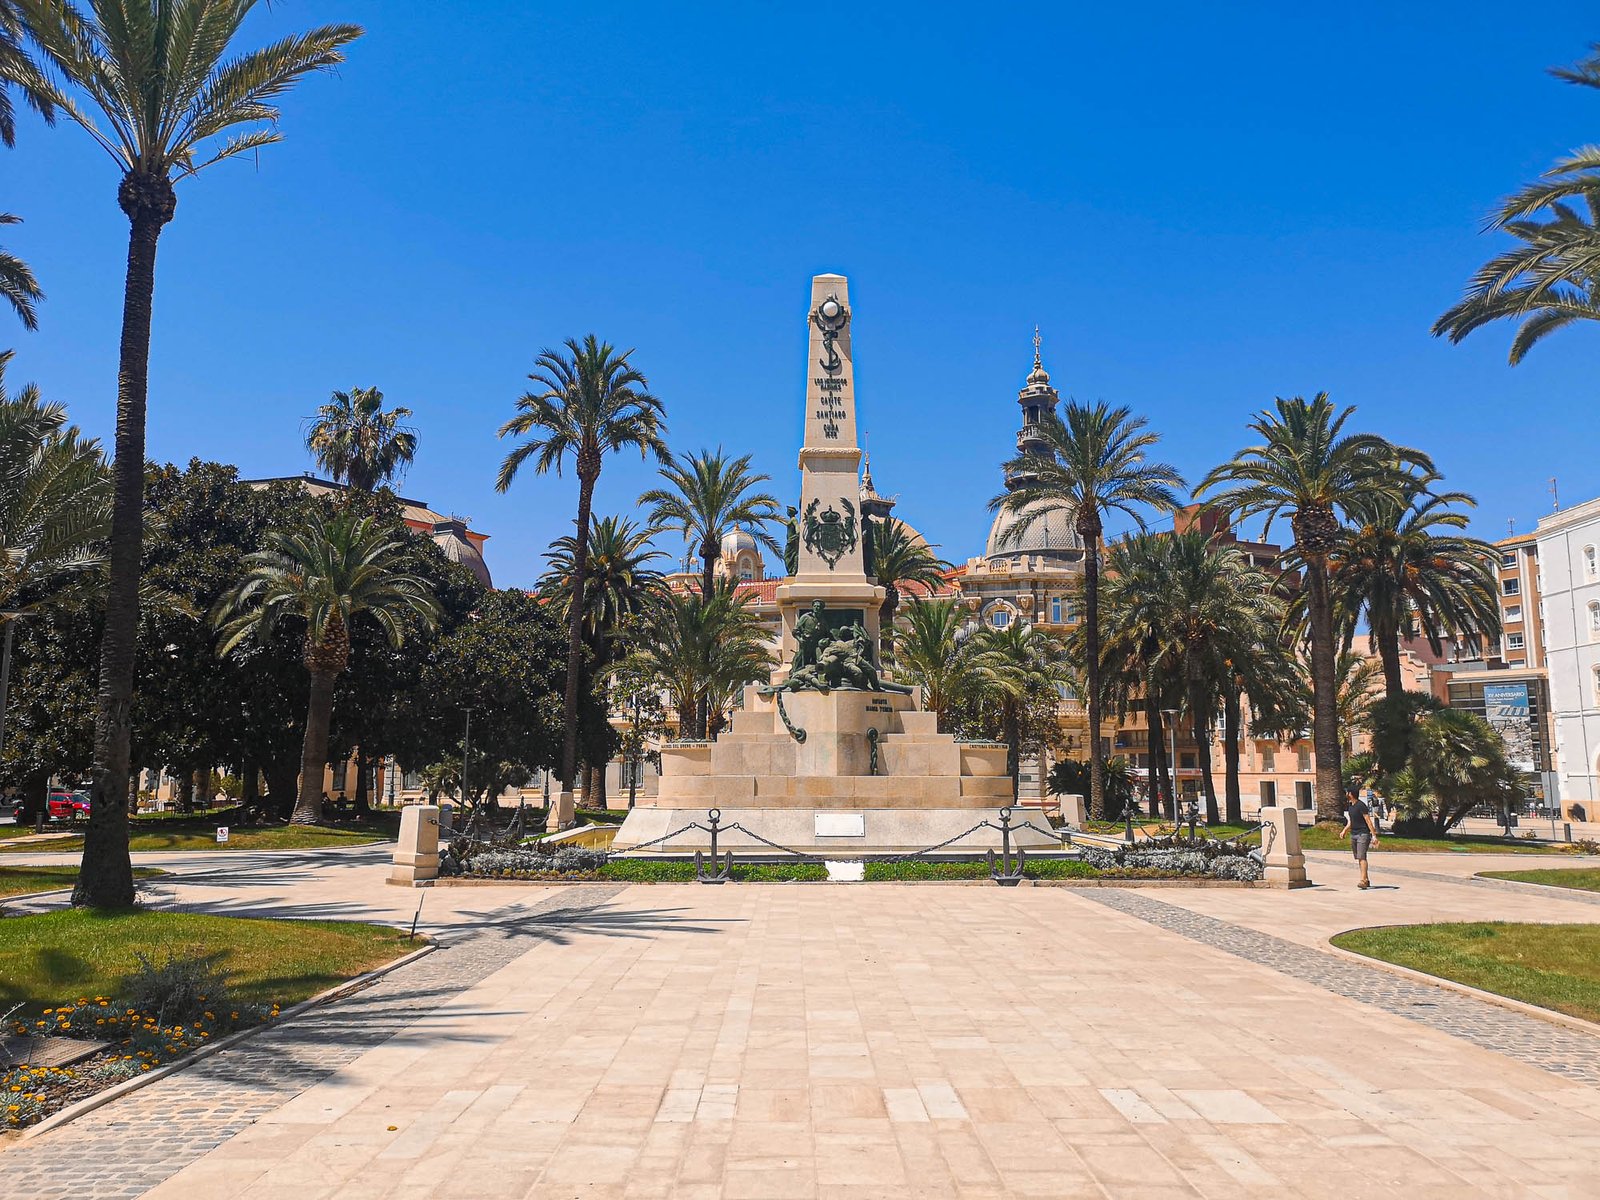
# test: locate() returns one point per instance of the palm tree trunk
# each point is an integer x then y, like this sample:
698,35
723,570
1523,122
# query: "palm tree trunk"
1013,735
1388,640
1232,719
1157,753
314,756
1091,670
282,780
105,878
363,792
1324,693
580,572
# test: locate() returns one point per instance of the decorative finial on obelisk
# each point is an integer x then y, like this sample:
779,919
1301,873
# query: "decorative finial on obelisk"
1037,341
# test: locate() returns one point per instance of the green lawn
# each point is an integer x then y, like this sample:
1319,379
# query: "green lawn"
19,881
1584,879
191,835
59,957
1553,966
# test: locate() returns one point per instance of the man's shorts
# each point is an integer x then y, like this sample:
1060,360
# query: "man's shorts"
1359,844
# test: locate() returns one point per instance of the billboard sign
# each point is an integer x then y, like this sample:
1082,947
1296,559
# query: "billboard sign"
1505,701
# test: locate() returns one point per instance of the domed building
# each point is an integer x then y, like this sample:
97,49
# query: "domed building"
741,558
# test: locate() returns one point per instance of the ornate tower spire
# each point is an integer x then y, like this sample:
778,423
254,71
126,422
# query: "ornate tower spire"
1036,398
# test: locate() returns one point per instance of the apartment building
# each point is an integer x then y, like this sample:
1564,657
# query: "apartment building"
1568,549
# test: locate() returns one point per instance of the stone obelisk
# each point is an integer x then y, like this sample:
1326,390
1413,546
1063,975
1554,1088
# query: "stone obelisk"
832,566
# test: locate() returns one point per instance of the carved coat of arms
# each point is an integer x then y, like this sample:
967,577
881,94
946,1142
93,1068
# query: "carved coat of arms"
830,534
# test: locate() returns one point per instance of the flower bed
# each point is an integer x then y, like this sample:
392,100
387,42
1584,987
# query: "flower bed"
139,1041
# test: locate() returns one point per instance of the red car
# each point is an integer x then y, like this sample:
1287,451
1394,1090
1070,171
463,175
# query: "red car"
64,805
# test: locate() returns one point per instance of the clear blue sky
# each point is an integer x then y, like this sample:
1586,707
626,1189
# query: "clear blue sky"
1202,206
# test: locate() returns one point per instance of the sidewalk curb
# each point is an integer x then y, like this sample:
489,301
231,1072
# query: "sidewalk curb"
338,992
1550,1015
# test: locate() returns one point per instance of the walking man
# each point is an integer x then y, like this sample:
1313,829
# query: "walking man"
1360,828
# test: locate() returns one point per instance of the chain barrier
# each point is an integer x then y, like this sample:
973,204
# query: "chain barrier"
798,734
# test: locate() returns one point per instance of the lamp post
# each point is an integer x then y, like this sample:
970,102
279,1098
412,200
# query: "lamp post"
1171,715
466,749
633,769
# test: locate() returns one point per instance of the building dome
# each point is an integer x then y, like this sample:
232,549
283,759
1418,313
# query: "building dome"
737,542
1051,533
451,537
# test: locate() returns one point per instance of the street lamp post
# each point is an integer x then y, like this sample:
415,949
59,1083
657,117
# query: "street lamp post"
1171,715
633,769
466,750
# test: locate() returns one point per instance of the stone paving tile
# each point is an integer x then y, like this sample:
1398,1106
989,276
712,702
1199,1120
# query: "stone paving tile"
1541,1044
133,1144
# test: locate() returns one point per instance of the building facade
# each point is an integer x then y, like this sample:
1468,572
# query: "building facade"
1568,549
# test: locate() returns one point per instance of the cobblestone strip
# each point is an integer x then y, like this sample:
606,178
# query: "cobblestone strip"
132,1144
1553,1048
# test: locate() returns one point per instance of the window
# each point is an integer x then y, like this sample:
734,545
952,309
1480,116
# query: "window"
1591,568
1072,612
1594,620
1597,685
1513,641
1268,759
1055,610
1186,762
1511,587
1509,559
1303,760
1000,618
1513,612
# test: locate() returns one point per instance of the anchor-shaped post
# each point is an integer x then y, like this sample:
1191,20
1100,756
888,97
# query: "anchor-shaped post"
714,875
1004,874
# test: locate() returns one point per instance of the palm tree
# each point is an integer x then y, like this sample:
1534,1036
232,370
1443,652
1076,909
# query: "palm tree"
174,103
621,583
1549,280
358,443
930,654
1095,464
1404,575
708,497
55,501
18,287
326,571
701,651
1013,668
901,559
1308,467
591,401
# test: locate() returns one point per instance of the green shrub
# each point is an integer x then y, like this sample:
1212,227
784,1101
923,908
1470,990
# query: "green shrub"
179,989
918,870
637,870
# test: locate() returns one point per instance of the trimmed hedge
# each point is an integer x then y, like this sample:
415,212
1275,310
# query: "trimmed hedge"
1033,868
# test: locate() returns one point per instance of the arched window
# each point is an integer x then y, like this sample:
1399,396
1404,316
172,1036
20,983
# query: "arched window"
1597,685
1594,620
1591,567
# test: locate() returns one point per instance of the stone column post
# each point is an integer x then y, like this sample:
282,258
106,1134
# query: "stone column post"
1073,811
1285,864
563,812
416,854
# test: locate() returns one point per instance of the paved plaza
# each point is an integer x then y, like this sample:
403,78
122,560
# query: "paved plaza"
863,1040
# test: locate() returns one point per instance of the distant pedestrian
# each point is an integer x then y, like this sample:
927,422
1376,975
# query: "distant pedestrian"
1361,829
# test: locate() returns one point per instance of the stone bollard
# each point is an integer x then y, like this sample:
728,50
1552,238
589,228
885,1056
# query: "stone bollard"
1285,865
416,855
563,812
1073,811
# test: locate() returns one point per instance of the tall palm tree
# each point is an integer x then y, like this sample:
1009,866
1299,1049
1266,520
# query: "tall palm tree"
173,101
18,287
357,442
901,559
1096,463
55,500
621,582
1307,467
708,496
326,571
590,401
701,651
1405,575
1012,668
930,654
1136,653
1549,280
